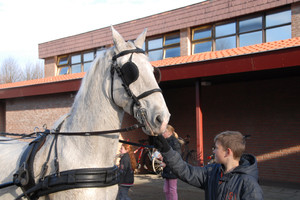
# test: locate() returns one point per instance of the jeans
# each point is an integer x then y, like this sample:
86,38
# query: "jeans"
123,193
170,189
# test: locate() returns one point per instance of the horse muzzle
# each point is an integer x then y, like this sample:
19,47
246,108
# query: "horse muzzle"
158,125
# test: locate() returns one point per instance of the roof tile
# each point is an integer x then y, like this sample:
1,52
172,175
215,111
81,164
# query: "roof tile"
257,48
281,44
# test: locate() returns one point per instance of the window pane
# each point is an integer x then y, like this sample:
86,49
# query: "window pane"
172,39
88,56
63,70
63,60
251,24
172,52
225,29
279,33
99,51
225,43
250,38
87,66
75,59
202,33
278,18
203,47
155,55
155,44
76,68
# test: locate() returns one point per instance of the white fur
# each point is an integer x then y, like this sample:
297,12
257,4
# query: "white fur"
93,110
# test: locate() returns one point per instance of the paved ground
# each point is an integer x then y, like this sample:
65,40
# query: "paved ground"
148,186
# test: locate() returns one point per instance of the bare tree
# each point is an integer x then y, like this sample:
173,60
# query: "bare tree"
34,71
10,71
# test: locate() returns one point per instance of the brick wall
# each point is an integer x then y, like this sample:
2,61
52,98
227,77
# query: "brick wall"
24,114
269,111
185,42
296,20
266,109
50,66
189,16
179,19
183,114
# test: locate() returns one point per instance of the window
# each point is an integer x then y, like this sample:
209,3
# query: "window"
266,27
63,65
202,38
226,36
278,26
163,47
155,49
87,61
76,63
250,31
172,45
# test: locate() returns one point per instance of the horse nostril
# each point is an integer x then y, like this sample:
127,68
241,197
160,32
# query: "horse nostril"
158,118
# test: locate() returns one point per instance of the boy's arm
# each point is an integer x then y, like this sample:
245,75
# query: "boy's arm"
195,176
192,175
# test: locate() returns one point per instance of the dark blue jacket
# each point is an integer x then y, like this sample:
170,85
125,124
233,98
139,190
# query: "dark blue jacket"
174,143
240,184
125,171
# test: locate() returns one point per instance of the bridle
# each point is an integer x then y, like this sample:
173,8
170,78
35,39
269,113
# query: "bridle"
80,178
129,73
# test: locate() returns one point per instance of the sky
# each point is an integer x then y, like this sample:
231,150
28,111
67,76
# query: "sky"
27,23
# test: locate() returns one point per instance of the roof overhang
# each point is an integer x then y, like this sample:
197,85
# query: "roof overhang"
275,59
283,58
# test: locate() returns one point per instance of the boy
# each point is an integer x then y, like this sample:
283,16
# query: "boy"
234,177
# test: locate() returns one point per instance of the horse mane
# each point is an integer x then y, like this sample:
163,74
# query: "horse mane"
92,74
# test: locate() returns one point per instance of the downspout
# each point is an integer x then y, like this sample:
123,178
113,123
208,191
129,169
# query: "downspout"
199,125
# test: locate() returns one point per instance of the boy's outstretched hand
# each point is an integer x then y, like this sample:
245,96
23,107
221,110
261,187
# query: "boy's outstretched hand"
161,144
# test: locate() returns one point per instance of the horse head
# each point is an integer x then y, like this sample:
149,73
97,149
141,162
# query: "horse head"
135,85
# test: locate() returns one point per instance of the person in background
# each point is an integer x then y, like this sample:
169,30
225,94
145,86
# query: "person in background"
126,171
170,183
233,177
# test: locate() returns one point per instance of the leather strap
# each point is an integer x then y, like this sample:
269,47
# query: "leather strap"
71,179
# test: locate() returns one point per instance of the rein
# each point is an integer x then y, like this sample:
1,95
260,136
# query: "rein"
59,181
76,178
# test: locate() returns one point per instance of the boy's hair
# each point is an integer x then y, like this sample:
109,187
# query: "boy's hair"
233,140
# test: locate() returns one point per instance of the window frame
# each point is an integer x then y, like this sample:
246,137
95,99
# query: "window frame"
164,46
70,64
202,40
170,46
237,34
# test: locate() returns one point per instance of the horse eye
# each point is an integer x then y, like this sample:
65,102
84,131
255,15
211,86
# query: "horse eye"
157,74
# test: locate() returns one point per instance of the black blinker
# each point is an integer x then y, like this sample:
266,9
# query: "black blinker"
157,74
130,72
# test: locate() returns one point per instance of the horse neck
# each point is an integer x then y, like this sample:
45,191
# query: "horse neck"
94,111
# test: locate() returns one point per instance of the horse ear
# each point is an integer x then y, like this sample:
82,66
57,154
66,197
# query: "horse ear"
119,41
141,39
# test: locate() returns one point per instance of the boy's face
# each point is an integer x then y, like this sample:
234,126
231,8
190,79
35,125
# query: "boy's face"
220,153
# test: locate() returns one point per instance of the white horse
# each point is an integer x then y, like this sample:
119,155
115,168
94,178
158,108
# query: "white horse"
94,109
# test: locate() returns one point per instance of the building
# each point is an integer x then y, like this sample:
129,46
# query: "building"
226,65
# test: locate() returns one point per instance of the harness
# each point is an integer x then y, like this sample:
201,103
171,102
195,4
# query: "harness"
129,73
86,177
